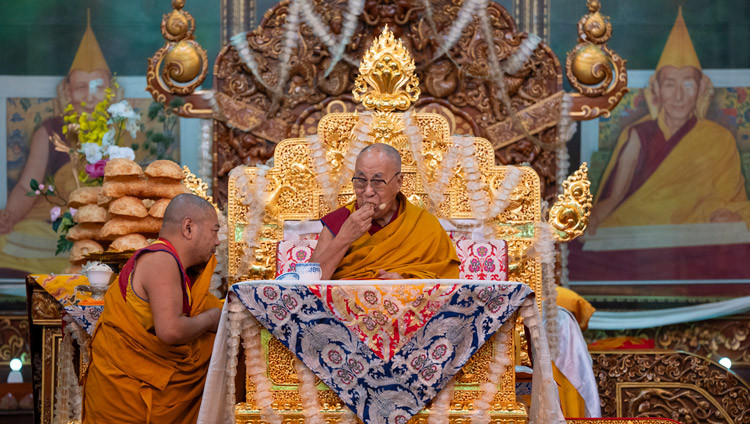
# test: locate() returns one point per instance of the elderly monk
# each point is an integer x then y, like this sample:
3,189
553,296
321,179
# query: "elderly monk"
152,345
674,166
381,234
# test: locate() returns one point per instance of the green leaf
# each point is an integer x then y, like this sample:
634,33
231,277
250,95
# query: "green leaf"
135,146
154,109
176,102
56,224
34,184
63,245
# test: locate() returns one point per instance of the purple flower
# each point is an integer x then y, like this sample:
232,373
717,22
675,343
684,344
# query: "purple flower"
96,170
54,213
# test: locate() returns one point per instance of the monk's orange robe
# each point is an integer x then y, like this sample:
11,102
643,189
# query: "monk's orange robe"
134,377
700,174
414,245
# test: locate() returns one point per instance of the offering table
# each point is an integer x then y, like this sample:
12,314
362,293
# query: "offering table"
380,350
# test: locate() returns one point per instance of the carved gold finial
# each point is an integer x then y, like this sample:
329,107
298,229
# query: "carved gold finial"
386,78
196,186
569,215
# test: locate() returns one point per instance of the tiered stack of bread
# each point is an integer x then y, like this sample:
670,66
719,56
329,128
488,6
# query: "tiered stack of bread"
127,210
90,218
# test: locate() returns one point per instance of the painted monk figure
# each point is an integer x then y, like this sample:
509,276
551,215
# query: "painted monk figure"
674,166
152,345
381,234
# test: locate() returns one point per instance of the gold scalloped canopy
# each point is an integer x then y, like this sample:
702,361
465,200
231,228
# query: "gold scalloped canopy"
386,78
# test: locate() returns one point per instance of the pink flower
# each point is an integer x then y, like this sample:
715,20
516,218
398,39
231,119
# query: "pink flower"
72,211
41,186
96,170
54,213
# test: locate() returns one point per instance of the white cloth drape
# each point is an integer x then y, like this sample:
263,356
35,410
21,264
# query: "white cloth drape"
602,320
574,362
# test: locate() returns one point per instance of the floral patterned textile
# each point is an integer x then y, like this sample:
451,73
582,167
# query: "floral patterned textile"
291,252
383,391
483,260
63,288
385,317
480,260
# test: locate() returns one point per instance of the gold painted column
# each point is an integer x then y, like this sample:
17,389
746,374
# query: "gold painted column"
236,16
533,16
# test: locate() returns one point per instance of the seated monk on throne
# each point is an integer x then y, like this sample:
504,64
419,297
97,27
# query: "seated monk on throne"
381,234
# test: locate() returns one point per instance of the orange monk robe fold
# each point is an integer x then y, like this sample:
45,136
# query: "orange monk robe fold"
134,374
414,245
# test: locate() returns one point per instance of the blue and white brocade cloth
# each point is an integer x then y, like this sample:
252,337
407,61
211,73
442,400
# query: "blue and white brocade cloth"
377,390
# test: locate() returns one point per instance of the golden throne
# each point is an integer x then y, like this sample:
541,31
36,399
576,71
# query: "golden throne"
261,201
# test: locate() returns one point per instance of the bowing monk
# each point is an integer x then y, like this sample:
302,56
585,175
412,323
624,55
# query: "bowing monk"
152,345
381,234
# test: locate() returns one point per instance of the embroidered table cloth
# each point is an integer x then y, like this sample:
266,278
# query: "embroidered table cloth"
63,289
384,347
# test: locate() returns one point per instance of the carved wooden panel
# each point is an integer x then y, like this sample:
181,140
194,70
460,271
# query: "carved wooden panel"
14,338
669,384
714,339
456,86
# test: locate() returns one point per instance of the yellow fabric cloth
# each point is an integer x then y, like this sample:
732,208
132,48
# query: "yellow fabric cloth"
573,405
136,378
699,176
679,51
31,246
577,305
141,309
414,245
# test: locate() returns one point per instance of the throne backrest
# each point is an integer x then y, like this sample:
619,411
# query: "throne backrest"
453,177
296,193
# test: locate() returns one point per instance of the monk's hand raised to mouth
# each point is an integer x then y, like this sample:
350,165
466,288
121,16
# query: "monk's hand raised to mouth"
358,223
383,274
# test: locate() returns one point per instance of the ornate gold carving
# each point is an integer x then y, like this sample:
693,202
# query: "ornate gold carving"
617,421
534,118
714,339
178,24
595,71
51,338
667,384
44,308
14,332
180,66
196,185
569,216
386,78
458,89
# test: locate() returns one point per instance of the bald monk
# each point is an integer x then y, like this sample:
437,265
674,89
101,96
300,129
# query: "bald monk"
152,345
381,235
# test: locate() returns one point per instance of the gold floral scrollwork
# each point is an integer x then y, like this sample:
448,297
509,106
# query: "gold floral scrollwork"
196,185
569,215
386,78
596,73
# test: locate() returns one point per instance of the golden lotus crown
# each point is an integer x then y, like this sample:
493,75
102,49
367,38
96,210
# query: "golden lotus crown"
386,78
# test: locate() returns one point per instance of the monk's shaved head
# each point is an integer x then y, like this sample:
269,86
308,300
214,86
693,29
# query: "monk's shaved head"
392,155
185,206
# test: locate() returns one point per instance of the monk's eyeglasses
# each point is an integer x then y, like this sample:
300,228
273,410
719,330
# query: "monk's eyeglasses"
376,183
